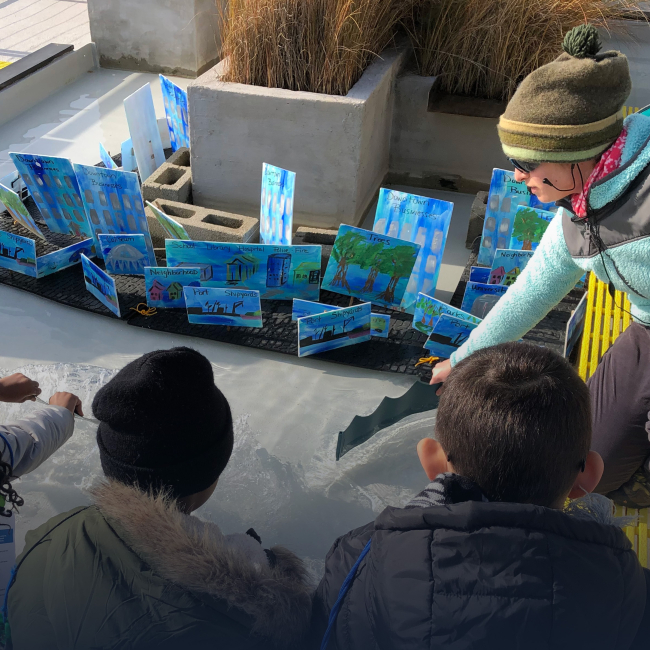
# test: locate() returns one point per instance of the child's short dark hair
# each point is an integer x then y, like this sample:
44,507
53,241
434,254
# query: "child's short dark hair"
516,419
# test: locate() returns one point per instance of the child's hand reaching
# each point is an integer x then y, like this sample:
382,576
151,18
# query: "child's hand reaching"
440,373
18,389
67,401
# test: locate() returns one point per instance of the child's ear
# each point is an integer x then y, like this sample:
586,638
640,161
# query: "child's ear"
433,458
588,480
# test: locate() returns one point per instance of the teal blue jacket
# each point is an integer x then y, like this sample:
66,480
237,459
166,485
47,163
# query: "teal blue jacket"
619,207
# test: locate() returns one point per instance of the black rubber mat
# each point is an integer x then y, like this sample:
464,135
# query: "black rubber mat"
398,353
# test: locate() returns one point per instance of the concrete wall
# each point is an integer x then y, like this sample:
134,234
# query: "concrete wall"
338,146
177,37
452,152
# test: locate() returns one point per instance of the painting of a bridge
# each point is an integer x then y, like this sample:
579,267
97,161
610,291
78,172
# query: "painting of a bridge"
236,307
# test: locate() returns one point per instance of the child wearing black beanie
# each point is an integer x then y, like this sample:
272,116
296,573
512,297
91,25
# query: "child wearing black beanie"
135,570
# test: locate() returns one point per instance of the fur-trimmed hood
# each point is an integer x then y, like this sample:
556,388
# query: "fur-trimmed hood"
198,557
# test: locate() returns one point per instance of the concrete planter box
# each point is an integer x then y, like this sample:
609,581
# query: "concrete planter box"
338,146
176,37
439,149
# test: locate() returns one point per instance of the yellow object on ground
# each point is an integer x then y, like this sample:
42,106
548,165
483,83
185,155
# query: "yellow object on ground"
4,64
604,322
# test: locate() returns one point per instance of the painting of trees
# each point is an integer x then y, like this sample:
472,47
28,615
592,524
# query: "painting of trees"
347,247
529,228
397,263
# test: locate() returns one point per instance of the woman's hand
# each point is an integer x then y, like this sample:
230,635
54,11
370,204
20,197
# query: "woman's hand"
17,389
440,373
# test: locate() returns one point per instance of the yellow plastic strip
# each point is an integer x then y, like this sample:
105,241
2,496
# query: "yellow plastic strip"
4,64
643,537
583,365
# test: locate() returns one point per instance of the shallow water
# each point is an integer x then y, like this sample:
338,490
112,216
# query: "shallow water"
282,479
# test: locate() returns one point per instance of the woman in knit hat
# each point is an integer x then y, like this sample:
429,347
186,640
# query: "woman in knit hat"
135,570
564,133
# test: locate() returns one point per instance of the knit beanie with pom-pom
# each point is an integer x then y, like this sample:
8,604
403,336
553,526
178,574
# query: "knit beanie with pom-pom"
569,110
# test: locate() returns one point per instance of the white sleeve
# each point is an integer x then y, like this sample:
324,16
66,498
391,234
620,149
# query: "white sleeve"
29,442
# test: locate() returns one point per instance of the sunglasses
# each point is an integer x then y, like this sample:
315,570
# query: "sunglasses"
523,165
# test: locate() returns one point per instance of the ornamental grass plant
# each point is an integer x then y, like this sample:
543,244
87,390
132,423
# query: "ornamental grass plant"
320,46
484,48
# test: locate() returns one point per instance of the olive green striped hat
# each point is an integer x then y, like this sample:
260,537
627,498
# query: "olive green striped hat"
569,110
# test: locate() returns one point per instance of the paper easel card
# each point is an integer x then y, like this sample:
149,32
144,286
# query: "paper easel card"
302,308
480,298
18,211
380,325
276,212
507,266
172,228
237,307
101,285
125,254
176,111
164,286
449,334
529,227
428,311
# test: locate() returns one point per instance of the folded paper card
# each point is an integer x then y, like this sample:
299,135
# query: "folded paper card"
175,100
302,308
334,329
18,211
507,266
125,254
449,334
479,274
380,325
105,157
172,228
164,287
428,310
529,227
276,212
237,307
479,298
101,285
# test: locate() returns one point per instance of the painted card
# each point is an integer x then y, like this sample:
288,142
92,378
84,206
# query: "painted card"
529,227
105,157
164,286
101,285
276,212
371,267
143,128
238,307
277,272
449,334
64,257
128,156
302,308
125,254
575,326
18,211
479,298
421,220
479,274
428,311
334,329
380,325
113,203
176,111
169,225
506,195
507,266
53,184
18,253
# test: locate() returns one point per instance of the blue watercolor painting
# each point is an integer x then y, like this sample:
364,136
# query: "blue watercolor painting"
428,311
423,221
164,286
143,128
236,307
276,212
479,298
529,227
18,253
277,272
53,184
506,195
334,329
18,211
575,326
449,334
101,285
380,325
64,257
371,267
507,266
302,308
113,203
128,156
176,111
169,225
105,157
479,274
125,254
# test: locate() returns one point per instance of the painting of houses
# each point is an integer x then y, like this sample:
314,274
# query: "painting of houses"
511,276
241,267
156,291
307,273
496,276
514,260
175,291
164,286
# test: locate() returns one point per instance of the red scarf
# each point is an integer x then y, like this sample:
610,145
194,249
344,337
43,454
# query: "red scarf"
608,162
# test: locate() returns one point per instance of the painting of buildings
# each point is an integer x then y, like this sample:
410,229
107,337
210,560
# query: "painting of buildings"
424,221
371,267
511,276
277,272
497,275
428,311
276,212
505,198
508,264
479,298
164,286
175,100
232,307
101,285
333,329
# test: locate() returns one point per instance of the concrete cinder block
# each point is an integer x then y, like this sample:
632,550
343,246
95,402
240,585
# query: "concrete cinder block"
169,182
180,158
476,219
176,37
337,145
321,236
203,224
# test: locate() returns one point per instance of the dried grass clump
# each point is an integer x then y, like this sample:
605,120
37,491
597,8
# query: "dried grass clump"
320,46
484,48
